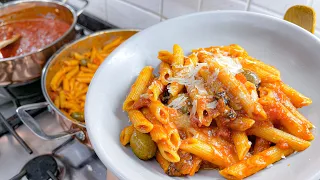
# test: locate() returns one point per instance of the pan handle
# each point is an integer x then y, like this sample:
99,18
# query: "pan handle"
79,11
33,125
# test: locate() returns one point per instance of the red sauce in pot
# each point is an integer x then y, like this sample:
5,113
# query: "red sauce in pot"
35,34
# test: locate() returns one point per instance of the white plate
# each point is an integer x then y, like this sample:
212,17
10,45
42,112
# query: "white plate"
293,50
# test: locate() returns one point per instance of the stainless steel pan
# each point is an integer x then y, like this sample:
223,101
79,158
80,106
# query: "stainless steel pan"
29,66
71,126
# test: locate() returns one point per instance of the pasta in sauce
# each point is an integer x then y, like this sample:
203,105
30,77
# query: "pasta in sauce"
217,108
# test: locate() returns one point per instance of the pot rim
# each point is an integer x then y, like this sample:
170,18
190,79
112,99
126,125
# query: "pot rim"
48,64
75,18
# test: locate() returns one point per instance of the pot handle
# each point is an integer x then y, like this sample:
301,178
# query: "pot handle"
79,11
33,125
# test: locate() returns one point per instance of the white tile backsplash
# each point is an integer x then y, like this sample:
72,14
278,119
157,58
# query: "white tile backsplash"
149,5
95,7
144,13
174,8
209,5
257,9
316,7
278,6
125,15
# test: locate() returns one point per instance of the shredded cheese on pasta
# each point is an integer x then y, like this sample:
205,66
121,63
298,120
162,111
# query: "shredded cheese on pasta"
178,102
212,105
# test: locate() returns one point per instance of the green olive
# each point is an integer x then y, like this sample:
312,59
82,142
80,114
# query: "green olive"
142,145
78,116
83,62
252,77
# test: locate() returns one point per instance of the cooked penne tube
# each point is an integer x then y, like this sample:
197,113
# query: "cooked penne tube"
58,77
125,135
159,111
178,56
204,151
113,44
241,143
297,99
192,59
158,133
175,88
86,70
84,79
294,125
65,84
173,134
265,76
139,121
165,56
155,89
260,145
138,87
275,135
168,152
164,164
92,66
251,62
71,62
165,73
273,91
78,56
255,163
241,124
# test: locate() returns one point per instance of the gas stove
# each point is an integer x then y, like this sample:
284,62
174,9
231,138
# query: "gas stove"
23,155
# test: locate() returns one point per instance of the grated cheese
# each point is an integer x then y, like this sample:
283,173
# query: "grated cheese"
231,64
212,105
144,96
250,143
194,107
254,95
178,102
283,157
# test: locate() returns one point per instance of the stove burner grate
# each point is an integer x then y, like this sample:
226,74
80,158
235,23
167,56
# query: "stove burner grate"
43,167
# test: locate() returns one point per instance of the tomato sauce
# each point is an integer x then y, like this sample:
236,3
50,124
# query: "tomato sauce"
35,34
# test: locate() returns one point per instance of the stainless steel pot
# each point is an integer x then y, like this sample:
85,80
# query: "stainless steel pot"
70,126
29,66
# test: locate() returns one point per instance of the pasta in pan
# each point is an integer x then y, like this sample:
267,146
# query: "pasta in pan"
69,85
216,108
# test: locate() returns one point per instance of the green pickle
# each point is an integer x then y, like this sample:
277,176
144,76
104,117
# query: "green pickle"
142,145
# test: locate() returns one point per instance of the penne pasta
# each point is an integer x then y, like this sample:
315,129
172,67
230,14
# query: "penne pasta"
204,151
297,99
139,121
165,56
155,89
275,135
203,108
125,135
294,125
138,87
241,124
159,111
165,73
168,152
241,143
255,163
